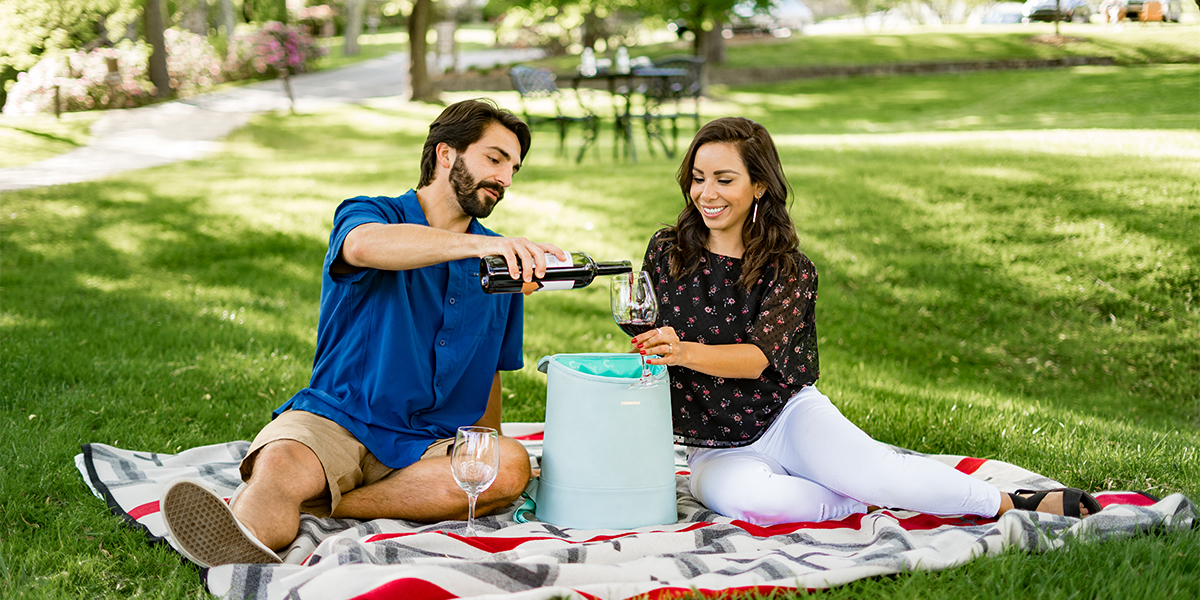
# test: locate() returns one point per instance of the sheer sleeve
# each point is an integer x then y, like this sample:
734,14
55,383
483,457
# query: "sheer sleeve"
785,326
655,262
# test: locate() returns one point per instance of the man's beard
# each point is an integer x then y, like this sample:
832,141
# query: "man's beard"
466,189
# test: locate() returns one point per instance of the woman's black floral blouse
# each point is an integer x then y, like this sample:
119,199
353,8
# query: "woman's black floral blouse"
711,307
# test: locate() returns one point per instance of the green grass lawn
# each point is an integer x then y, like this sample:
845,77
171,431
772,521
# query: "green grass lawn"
1131,45
1177,43
30,139
470,37
1009,269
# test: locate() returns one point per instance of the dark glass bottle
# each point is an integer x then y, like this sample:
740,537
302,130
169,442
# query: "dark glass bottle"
560,275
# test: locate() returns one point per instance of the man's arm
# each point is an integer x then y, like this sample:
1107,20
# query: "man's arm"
491,415
405,246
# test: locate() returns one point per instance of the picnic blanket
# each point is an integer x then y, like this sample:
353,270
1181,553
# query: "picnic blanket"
334,559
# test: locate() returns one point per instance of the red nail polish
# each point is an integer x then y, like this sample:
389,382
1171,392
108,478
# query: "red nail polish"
639,345
642,351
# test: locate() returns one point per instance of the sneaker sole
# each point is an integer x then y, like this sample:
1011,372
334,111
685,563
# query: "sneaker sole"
206,531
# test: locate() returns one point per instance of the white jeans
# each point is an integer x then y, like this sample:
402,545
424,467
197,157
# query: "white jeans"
813,464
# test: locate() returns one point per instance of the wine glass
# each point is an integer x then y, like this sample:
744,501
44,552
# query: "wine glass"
635,309
474,462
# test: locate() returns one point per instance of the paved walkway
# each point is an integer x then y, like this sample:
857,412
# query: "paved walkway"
188,129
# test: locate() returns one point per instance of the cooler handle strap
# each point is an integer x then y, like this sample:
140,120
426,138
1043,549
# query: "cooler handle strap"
525,512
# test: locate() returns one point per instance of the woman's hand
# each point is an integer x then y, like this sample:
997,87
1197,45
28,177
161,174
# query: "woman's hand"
662,346
663,342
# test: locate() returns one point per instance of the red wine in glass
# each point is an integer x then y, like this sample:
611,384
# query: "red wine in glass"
635,310
636,327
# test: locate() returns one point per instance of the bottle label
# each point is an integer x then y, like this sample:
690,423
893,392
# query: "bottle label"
553,261
546,286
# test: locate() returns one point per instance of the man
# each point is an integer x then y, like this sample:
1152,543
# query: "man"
409,348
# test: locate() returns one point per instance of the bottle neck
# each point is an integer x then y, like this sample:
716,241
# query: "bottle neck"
615,267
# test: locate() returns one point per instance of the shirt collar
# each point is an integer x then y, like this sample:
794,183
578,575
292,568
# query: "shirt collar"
414,214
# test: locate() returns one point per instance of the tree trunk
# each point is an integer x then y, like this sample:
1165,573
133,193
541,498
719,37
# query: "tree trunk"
592,29
354,25
158,57
418,72
227,19
710,45
195,19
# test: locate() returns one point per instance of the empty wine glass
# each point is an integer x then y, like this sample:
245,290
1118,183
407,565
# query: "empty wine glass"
474,462
635,309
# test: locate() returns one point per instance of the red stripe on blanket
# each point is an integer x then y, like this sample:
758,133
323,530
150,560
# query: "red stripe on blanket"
920,522
148,508
529,438
851,522
970,465
1130,498
676,592
407,589
924,522
504,544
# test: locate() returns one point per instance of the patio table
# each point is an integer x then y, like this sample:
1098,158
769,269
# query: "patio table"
621,88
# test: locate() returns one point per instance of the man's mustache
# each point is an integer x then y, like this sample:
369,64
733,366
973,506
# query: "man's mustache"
499,189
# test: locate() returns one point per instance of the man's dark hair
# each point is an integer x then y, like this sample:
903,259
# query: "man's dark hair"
461,125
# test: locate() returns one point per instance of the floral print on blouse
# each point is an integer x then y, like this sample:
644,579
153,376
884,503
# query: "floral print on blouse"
711,307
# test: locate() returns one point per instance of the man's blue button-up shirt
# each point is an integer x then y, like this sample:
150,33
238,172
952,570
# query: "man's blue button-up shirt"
406,357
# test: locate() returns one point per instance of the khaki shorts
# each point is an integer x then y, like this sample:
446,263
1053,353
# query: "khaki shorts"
347,463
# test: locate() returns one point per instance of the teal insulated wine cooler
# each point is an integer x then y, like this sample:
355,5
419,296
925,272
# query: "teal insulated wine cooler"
607,455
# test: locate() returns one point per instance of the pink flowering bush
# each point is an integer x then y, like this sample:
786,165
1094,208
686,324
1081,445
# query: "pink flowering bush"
85,83
192,62
272,51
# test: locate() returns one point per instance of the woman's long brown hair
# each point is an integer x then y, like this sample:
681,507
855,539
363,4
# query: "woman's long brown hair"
771,238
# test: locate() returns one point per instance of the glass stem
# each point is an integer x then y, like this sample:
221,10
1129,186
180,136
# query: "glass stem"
471,514
645,368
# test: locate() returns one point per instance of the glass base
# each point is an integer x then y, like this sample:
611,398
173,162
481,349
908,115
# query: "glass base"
645,383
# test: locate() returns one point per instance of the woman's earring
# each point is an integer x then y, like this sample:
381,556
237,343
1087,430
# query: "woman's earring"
754,217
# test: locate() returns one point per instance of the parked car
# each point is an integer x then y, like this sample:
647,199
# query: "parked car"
1076,11
1005,13
782,16
1171,9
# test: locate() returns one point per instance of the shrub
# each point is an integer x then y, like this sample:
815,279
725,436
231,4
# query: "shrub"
274,50
192,62
84,82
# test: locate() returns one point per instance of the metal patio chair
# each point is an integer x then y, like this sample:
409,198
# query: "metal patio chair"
537,84
672,99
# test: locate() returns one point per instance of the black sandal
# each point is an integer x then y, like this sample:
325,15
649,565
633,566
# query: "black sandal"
1072,497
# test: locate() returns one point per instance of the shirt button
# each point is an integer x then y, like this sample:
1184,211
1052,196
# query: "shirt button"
442,343
452,301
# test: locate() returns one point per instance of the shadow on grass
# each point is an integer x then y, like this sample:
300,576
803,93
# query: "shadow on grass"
142,292
1159,97
1052,288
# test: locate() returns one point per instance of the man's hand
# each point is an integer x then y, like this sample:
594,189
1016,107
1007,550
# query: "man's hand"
404,246
525,259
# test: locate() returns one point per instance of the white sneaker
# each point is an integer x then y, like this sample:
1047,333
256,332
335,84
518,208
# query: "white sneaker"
205,530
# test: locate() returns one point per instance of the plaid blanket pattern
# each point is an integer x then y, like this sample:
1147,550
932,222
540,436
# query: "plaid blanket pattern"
334,559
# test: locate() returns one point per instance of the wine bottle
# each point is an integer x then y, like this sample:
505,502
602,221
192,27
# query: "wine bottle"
578,272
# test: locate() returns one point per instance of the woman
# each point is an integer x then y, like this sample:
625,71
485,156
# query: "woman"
737,330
